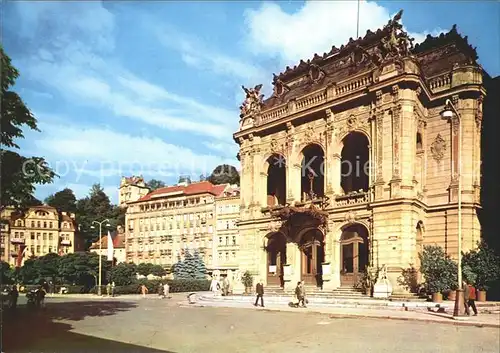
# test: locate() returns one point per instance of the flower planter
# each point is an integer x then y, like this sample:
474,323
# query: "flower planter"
437,297
452,295
481,295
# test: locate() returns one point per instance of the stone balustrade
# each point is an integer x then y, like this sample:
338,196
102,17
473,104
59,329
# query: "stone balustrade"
351,199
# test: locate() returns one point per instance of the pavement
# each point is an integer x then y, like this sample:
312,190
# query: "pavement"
489,315
442,313
150,325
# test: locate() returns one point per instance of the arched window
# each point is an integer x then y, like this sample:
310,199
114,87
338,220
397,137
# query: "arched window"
276,180
312,173
355,163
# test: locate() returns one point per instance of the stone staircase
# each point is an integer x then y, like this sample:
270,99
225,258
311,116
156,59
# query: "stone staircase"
407,297
315,292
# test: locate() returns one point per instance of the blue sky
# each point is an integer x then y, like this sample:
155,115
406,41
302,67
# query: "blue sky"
153,88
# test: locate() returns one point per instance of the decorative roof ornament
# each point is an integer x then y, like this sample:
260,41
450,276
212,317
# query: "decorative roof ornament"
396,43
253,101
280,88
316,74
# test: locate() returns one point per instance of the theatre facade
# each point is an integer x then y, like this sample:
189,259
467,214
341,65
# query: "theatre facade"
350,163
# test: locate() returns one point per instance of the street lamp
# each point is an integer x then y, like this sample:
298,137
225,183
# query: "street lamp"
100,250
450,113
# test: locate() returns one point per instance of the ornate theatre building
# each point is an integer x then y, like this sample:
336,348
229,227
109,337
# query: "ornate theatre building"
350,163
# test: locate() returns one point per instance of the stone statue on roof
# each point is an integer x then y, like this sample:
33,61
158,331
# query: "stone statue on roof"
253,101
397,43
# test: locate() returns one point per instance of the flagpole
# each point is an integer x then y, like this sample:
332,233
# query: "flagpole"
357,25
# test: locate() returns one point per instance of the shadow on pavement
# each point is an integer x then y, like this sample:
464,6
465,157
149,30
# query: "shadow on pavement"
35,330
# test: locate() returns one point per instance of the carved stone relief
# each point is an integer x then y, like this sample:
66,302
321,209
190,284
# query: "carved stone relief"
352,123
479,112
350,217
438,148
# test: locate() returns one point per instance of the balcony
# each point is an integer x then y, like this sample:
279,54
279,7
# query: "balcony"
66,242
17,240
352,199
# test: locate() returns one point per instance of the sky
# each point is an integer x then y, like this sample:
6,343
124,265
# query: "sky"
152,88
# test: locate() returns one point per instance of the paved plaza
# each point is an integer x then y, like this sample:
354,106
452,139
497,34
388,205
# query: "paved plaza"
133,324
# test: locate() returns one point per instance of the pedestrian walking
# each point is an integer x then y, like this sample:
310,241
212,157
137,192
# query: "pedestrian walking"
108,289
144,290
166,290
14,294
260,293
470,298
301,291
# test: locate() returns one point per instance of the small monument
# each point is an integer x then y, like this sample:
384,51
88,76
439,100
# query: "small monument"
383,287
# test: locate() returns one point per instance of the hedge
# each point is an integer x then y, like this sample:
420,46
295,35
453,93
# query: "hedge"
176,286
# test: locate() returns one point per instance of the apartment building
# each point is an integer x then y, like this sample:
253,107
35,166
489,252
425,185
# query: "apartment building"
131,189
166,222
227,214
38,231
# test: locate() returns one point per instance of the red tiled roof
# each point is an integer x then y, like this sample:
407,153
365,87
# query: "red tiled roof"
118,241
190,189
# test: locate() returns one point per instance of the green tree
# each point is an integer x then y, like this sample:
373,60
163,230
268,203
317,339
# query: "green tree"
199,266
48,266
30,272
184,179
144,269
192,267
8,275
97,207
154,184
64,201
158,270
19,175
439,270
123,274
483,265
224,174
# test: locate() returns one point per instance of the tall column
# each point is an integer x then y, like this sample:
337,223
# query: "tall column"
455,157
293,266
336,173
396,146
330,167
379,177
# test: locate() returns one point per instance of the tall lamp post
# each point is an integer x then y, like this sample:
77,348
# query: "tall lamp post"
99,292
450,113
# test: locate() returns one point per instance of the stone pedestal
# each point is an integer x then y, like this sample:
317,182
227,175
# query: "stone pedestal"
238,287
383,287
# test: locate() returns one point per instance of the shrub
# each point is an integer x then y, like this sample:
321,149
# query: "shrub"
439,270
247,279
176,286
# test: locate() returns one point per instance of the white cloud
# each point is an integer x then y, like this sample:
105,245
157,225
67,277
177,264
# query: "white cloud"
314,28
74,60
227,149
198,55
104,153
